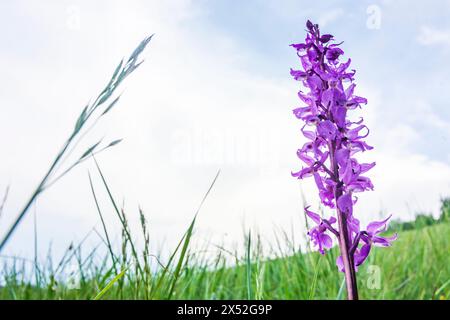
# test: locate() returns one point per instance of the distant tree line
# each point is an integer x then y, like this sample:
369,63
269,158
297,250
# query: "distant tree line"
424,219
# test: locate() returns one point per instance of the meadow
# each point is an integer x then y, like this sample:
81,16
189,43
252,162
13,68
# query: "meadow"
417,266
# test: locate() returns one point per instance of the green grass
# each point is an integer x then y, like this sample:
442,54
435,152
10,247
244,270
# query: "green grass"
416,267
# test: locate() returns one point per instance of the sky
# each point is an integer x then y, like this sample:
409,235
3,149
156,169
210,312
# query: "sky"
213,93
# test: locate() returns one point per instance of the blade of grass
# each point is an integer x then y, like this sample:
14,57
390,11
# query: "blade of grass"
113,258
36,265
121,218
5,197
312,290
188,238
438,291
248,267
341,290
176,273
110,284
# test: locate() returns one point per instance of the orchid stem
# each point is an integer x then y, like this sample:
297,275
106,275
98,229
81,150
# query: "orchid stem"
355,244
344,242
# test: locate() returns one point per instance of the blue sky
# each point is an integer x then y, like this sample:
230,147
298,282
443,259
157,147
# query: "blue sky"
215,92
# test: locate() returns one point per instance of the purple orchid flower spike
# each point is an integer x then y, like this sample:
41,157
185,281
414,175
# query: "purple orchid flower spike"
329,155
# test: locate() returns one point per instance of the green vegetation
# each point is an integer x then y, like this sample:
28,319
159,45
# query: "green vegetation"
423,219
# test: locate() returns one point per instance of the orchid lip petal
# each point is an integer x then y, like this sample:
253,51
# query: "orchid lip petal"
326,241
362,254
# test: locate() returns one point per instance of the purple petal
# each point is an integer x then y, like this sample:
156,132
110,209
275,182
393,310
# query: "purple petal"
344,66
309,134
324,157
339,114
314,82
353,224
311,120
300,113
359,146
314,216
342,156
359,184
332,220
310,26
340,264
326,38
349,90
353,134
299,46
304,173
334,53
302,155
306,98
345,204
383,241
347,173
362,254
319,181
298,74
326,240
364,167
376,227
327,129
